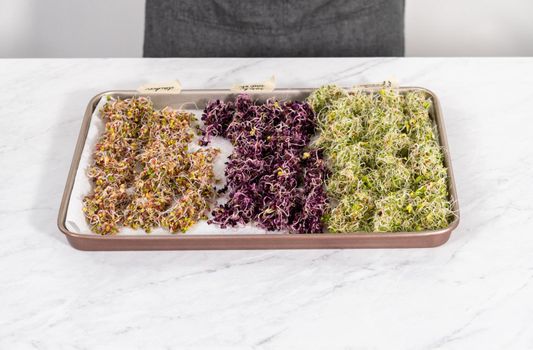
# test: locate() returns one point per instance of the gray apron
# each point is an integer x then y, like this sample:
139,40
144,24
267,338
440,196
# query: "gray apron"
274,28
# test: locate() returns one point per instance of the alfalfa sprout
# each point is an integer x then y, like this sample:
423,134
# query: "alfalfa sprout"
386,164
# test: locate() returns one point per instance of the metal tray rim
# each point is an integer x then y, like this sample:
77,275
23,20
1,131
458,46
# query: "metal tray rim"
345,240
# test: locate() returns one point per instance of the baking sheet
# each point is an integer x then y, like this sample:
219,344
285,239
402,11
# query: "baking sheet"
75,219
242,238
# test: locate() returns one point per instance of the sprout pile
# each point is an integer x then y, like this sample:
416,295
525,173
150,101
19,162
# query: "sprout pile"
387,171
274,179
144,175
339,162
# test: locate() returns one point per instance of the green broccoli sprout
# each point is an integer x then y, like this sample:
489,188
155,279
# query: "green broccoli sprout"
387,170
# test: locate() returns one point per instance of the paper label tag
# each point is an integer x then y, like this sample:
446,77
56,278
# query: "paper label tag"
266,86
391,83
171,87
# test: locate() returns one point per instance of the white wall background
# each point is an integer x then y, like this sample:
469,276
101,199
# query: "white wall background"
71,28
469,28
114,28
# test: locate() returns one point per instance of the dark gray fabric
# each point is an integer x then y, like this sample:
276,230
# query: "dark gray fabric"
274,28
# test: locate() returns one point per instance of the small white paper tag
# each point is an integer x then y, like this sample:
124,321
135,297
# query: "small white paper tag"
266,86
171,87
391,83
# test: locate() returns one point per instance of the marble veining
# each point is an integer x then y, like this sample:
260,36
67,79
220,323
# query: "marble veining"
473,292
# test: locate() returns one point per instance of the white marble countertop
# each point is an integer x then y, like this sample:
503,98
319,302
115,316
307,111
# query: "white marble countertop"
473,292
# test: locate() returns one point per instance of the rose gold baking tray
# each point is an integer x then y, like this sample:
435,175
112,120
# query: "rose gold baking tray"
248,241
